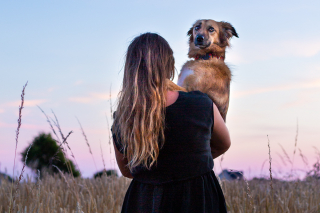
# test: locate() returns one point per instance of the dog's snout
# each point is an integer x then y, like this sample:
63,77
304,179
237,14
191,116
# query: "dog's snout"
199,38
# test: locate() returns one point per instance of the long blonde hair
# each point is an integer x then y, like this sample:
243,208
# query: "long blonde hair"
139,118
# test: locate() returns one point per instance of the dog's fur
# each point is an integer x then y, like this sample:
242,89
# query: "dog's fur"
211,76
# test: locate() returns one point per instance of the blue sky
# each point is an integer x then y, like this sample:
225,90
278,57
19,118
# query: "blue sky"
72,53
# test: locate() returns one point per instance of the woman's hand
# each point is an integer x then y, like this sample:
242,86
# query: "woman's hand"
220,138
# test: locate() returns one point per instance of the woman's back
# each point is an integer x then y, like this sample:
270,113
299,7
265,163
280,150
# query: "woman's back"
186,152
182,179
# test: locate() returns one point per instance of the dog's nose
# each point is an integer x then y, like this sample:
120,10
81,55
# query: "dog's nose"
199,38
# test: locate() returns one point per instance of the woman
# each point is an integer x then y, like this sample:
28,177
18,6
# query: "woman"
166,140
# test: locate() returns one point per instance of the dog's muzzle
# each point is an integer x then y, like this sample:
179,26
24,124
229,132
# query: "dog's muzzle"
199,41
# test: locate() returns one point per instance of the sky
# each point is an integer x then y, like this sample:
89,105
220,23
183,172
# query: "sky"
71,53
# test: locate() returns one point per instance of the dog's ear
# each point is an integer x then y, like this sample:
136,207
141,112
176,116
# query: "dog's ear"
190,33
229,30
226,32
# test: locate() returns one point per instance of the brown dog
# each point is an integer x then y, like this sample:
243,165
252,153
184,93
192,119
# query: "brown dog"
208,72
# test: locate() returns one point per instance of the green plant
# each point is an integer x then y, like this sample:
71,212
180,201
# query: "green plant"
44,153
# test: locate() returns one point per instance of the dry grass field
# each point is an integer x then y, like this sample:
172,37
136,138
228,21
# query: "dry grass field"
64,194
257,196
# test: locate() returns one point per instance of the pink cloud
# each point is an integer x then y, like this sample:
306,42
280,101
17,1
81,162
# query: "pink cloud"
8,125
23,125
27,103
93,97
301,100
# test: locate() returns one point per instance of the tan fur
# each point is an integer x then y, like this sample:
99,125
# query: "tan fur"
173,87
210,76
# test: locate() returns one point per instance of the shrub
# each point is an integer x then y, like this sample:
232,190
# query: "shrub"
110,172
44,153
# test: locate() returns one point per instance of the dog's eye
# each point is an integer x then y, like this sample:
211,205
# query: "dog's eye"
211,29
197,28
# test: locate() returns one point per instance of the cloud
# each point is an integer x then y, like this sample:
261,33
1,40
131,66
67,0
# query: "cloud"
81,99
302,85
27,103
51,89
31,103
1,110
259,51
23,125
298,48
78,82
93,97
302,100
8,125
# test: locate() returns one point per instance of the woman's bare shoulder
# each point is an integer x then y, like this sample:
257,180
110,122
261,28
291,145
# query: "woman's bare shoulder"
171,97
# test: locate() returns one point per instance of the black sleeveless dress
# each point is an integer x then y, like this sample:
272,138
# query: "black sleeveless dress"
183,180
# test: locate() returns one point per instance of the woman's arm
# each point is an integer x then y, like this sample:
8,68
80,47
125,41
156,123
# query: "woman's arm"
122,163
220,139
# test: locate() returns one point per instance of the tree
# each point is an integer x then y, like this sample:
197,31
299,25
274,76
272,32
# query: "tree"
44,153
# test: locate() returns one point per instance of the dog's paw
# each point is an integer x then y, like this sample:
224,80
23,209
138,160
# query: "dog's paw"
191,83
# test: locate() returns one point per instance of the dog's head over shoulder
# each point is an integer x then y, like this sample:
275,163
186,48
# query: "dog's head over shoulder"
209,36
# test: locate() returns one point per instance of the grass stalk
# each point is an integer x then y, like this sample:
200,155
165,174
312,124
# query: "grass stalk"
104,164
61,143
295,145
270,163
17,137
88,144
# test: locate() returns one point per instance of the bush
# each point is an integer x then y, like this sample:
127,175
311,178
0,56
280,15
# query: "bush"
44,153
314,173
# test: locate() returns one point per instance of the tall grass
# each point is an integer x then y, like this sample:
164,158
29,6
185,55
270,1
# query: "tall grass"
57,194
287,196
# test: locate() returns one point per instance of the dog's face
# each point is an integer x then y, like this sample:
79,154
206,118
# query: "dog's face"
209,36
